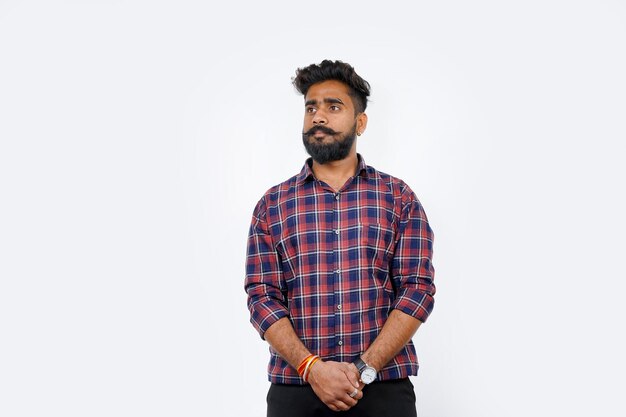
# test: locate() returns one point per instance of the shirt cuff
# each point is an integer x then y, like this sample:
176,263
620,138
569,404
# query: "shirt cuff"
415,303
263,315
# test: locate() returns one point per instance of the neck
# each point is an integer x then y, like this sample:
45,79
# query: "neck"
336,173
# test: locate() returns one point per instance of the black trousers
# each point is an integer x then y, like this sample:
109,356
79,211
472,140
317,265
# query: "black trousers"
394,398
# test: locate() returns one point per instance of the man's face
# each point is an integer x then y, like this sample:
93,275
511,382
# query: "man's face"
330,124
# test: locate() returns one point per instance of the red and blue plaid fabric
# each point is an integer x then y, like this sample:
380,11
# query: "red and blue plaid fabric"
337,263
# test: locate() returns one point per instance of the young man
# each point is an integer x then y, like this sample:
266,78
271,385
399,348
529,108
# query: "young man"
338,273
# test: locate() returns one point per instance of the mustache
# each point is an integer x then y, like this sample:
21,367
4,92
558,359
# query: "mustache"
324,129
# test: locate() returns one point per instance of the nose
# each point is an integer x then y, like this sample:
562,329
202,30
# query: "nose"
319,118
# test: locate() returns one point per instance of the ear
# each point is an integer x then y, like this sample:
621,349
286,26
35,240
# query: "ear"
361,123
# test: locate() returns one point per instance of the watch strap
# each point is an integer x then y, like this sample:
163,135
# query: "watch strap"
360,364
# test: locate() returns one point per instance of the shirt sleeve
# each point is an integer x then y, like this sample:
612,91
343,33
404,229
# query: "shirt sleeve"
264,278
412,269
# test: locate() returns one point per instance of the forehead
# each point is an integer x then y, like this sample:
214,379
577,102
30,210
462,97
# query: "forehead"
329,89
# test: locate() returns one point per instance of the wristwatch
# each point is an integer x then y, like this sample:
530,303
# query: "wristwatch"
368,374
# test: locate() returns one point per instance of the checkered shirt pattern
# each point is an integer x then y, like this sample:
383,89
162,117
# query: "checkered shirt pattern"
337,263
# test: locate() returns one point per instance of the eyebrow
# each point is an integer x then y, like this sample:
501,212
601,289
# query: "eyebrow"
328,100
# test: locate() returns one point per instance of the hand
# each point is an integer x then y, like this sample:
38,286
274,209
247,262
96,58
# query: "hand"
355,371
333,382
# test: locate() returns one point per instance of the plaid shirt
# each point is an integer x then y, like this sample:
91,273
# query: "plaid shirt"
337,263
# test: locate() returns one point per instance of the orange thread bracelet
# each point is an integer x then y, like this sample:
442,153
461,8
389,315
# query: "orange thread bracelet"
304,363
307,370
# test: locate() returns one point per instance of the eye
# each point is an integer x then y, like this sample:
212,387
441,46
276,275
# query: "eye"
335,108
310,109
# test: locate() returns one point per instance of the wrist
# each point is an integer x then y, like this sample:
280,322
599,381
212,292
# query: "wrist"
366,371
305,366
314,370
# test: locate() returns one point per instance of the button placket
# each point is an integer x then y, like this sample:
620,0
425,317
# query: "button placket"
337,270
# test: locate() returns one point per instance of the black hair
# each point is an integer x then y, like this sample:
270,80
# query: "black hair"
359,89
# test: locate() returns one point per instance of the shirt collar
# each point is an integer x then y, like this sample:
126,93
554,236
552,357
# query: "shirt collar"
307,172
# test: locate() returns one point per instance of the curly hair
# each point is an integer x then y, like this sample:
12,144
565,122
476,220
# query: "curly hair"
359,89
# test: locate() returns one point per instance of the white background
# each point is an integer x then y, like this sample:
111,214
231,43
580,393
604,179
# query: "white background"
136,137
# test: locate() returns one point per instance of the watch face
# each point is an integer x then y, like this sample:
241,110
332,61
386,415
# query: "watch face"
368,375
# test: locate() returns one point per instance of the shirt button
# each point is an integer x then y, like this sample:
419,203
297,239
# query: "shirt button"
337,231
339,307
337,271
340,343
337,196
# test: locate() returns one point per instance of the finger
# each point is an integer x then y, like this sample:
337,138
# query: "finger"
353,368
345,397
354,393
352,376
356,375
349,399
342,406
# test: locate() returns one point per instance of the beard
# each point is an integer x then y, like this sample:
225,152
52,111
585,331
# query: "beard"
336,150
